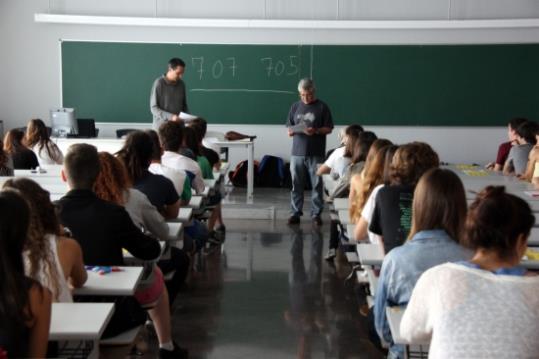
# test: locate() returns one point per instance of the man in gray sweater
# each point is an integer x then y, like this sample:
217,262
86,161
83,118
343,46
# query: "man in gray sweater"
168,97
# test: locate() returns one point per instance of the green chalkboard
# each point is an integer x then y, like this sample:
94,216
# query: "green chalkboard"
440,85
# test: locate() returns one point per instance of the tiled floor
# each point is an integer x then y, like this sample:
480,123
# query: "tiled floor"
270,294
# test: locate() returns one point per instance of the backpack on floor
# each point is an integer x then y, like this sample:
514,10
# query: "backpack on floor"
271,172
238,177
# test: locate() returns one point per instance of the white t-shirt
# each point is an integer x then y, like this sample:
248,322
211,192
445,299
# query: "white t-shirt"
368,211
55,158
176,176
473,313
179,162
64,293
337,162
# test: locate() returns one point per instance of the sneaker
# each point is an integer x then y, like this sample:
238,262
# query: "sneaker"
330,255
293,219
317,221
221,229
214,239
177,353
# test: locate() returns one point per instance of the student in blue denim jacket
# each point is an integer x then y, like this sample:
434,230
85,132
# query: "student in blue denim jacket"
439,212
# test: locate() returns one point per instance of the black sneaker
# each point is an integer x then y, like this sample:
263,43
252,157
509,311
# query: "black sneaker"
214,239
330,255
176,353
293,220
221,229
317,221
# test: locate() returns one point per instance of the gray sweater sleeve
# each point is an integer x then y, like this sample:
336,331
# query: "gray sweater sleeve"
159,115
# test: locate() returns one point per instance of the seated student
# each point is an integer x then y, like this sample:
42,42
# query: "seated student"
50,258
532,170
360,192
503,150
23,157
113,185
359,148
103,228
392,216
438,215
487,307
340,158
333,243
25,306
6,163
375,179
171,137
181,182
192,141
200,126
517,160
37,138
136,155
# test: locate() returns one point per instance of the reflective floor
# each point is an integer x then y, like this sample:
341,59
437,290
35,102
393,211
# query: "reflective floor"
270,294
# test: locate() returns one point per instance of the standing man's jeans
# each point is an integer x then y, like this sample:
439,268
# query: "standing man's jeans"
301,168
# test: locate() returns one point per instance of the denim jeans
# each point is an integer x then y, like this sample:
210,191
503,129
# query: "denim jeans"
302,167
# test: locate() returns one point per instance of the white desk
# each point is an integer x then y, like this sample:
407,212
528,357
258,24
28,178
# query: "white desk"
175,230
341,203
79,321
370,254
533,239
115,283
350,228
394,318
111,145
195,202
206,192
49,171
250,147
344,216
210,183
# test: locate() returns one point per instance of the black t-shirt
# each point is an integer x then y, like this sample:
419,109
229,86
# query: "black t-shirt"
392,217
24,159
159,190
316,115
211,155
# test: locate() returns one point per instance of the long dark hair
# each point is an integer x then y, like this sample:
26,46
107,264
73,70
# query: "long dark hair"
14,285
191,141
136,154
43,221
38,134
13,141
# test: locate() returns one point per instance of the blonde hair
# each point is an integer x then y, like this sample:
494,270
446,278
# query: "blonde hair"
362,184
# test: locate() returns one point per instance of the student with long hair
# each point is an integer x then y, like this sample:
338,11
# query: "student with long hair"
23,157
393,205
50,258
25,306
486,307
136,155
200,126
113,185
6,162
340,157
372,173
439,212
37,138
375,179
359,149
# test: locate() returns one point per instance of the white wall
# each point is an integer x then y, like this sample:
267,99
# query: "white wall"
30,62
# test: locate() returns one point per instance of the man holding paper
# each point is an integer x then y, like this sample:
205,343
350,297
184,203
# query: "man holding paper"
309,122
168,97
